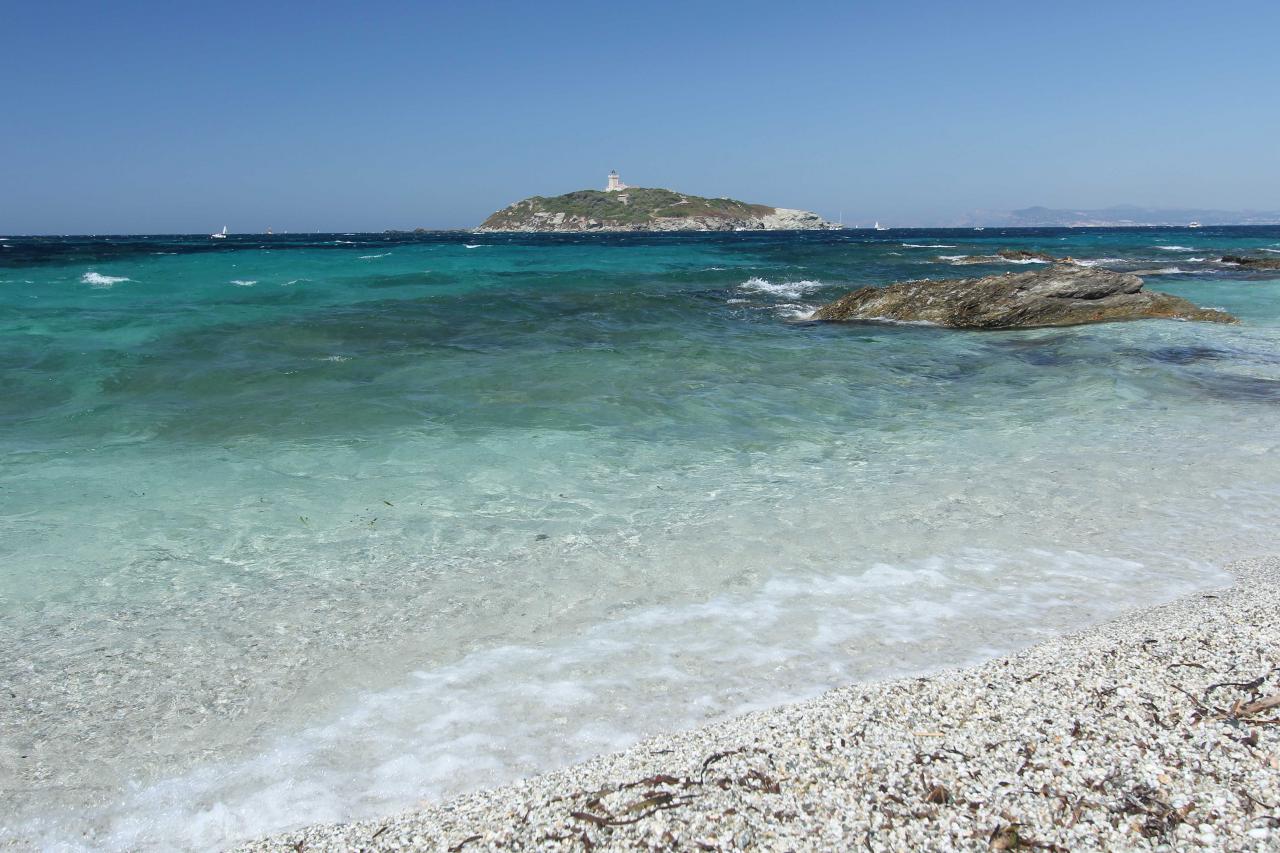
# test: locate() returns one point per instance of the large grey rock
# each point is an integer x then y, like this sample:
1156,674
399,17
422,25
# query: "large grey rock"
1059,296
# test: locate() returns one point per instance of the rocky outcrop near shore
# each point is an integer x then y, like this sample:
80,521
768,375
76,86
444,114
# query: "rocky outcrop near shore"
1059,296
645,209
1252,262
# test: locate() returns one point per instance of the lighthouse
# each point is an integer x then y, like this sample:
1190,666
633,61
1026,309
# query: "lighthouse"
615,183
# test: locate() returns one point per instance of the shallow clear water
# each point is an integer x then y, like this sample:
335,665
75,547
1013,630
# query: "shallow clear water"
310,528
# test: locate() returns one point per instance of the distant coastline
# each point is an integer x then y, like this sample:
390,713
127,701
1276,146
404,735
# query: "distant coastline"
1119,216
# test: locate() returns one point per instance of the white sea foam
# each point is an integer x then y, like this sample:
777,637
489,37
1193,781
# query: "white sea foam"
796,311
99,280
244,282
785,289
497,714
472,245
927,246
346,242
1093,262
1273,251
1177,248
371,257
989,259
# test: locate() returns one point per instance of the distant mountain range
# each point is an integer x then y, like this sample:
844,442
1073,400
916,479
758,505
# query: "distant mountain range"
1121,215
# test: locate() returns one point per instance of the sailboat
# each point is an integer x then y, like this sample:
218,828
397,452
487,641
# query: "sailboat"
879,227
219,236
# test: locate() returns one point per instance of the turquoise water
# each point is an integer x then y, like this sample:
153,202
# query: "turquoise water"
311,528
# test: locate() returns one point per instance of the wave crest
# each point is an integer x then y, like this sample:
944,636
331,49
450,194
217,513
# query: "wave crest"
94,279
787,289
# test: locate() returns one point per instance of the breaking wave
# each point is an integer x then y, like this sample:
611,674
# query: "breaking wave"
787,289
98,280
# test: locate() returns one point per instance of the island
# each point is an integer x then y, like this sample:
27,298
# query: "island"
619,207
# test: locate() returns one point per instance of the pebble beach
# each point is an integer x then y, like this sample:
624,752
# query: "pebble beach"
1154,731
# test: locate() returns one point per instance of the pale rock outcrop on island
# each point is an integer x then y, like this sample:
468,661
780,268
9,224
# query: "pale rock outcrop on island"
1059,296
645,209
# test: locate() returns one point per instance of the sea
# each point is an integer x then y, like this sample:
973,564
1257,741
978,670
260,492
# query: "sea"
318,527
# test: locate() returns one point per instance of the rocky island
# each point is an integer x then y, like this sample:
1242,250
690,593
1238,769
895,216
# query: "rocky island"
619,207
1062,295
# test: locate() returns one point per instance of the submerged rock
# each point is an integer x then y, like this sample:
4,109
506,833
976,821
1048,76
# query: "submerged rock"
1252,262
1059,296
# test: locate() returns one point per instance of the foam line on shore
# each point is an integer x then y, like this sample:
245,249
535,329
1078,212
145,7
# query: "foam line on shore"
1147,729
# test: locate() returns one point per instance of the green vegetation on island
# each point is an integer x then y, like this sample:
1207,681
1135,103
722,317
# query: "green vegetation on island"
643,209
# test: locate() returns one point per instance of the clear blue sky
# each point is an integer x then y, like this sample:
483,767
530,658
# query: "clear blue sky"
162,117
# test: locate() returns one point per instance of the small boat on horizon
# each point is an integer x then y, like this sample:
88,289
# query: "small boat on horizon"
1193,224
879,227
979,228
219,236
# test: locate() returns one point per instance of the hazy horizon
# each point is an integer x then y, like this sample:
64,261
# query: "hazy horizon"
148,119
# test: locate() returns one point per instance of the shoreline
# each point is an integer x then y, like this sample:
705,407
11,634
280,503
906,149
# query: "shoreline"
1152,729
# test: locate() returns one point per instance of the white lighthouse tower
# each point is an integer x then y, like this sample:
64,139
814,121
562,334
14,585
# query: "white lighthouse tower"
615,183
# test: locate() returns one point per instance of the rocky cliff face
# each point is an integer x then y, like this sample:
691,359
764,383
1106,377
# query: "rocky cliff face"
645,209
1060,296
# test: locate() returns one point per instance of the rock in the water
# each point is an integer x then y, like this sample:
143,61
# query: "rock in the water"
1252,262
1025,255
1017,256
1059,296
